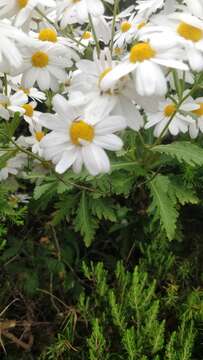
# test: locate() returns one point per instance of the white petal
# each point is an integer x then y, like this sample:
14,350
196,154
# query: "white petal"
54,138
110,125
170,63
61,106
109,142
66,161
118,72
95,7
52,122
150,79
95,159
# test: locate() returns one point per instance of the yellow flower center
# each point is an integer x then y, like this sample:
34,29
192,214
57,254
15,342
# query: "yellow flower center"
28,110
118,51
199,112
48,35
40,59
39,135
104,73
125,26
169,110
75,1
140,52
189,32
22,3
141,25
81,131
86,35
26,91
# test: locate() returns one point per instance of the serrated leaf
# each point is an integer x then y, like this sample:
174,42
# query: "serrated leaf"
43,189
163,206
103,209
84,221
184,195
65,207
183,151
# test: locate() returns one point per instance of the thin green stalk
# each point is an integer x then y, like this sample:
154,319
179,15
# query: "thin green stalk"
94,35
115,11
5,84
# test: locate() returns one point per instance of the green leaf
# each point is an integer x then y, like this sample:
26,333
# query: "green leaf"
43,189
65,207
163,206
124,165
84,222
103,209
183,151
182,193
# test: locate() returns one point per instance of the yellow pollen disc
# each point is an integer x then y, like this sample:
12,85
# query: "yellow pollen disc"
199,112
189,32
48,35
141,25
169,110
39,135
125,26
75,1
104,73
140,52
28,110
26,91
81,130
22,3
40,59
86,35
118,51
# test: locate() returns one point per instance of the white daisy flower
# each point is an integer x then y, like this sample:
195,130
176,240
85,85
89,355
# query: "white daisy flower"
21,9
145,62
30,115
34,141
15,83
11,104
79,137
71,11
85,38
119,99
50,36
197,124
128,30
46,67
189,30
166,109
34,94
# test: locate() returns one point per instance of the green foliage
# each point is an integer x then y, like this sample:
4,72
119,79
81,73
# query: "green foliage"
163,206
127,316
84,222
92,263
183,151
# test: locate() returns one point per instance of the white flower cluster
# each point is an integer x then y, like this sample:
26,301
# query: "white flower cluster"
78,72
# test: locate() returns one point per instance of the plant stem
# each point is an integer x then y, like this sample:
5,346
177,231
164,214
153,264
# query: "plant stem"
94,34
115,10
